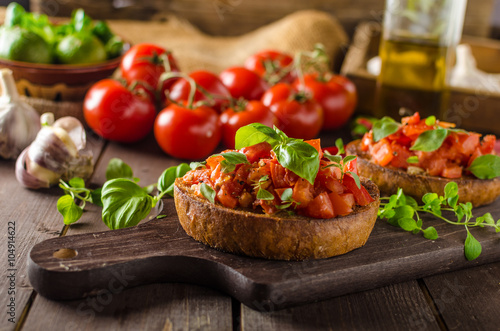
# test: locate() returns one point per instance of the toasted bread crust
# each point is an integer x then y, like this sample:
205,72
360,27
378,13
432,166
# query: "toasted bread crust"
274,237
470,189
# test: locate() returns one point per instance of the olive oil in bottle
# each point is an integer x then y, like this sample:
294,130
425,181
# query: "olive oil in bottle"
412,76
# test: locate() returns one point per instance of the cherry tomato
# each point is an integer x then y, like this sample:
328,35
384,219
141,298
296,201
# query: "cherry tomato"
337,96
116,113
187,133
209,82
243,83
298,116
234,118
144,63
271,65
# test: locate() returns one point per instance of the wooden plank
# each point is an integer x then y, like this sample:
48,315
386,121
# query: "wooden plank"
157,307
235,17
395,307
36,218
468,299
153,307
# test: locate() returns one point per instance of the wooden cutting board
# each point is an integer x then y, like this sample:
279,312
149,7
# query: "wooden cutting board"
100,263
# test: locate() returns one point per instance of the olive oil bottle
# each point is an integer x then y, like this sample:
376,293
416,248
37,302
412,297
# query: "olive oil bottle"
412,76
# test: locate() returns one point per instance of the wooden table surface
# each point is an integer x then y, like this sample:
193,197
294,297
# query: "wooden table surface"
467,299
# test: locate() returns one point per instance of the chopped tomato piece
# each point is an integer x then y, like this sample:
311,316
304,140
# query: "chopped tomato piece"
278,175
258,151
352,166
361,195
320,207
414,119
332,150
303,192
226,199
317,145
214,161
400,156
452,171
382,152
342,203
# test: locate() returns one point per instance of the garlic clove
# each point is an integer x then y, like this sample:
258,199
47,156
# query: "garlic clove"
26,178
49,151
74,129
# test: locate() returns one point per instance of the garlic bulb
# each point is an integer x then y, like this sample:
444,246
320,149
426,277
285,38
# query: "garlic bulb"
19,122
58,152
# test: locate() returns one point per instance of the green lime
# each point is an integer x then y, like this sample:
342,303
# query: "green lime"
19,44
80,49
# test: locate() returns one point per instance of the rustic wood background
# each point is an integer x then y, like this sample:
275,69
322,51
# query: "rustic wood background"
235,17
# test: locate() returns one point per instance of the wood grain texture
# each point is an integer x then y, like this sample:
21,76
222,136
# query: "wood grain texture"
160,251
396,307
468,299
235,17
36,219
153,307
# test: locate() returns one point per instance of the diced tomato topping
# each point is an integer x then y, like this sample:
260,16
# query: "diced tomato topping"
226,198
361,195
414,119
352,166
452,171
366,141
257,152
342,203
321,207
332,150
316,144
278,175
303,192
400,156
382,152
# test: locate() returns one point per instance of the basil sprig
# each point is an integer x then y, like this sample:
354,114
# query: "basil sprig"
293,154
231,160
124,202
486,166
384,127
431,140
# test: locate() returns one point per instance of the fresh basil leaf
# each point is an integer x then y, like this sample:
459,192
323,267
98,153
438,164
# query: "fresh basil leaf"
407,223
431,120
412,159
264,194
340,146
207,192
231,160
197,165
287,195
118,169
77,182
430,233
404,211
450,190
285,206
255,133
167,178
384,127
125,203
472,247
486,166
69,209
334,158
300,158
411,202
452,202
95,197
355,177
429,141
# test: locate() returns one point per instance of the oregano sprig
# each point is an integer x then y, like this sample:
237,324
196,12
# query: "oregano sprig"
403,211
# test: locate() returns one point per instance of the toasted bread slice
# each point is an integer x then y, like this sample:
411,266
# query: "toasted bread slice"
275,237
388,179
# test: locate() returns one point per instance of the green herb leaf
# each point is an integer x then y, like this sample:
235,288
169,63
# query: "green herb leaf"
299,157
287,195
255,133
334,158
487,218
412,159
125,203
264,194
472,247
340,146
197,165
429,141
118,169
407,223
430,233
95,197
77,182
355,177
486,166
450,190
167,178
207,192
69,209
348,159
431,120
384,127
231,160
